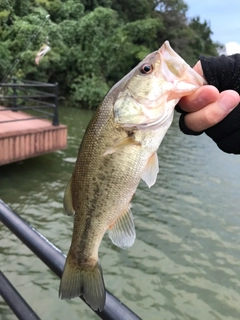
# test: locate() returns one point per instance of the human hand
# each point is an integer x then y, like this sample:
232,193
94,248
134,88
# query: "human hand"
215,108
207,106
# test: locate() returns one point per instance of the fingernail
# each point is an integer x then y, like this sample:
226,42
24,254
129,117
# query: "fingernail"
226,102
203,99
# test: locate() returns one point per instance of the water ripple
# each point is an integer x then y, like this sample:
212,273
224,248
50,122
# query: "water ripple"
185,263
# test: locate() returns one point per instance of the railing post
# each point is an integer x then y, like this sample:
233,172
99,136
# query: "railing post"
55,121
14,100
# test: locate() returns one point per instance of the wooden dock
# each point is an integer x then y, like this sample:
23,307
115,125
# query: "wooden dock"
21,139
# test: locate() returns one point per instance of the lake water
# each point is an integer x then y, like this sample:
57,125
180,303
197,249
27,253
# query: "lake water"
185,263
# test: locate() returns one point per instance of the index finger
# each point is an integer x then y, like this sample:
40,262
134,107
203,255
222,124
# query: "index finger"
201,97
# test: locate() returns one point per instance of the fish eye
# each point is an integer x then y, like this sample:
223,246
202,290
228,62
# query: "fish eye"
146,68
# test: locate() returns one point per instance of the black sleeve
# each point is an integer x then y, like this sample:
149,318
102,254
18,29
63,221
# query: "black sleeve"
224,73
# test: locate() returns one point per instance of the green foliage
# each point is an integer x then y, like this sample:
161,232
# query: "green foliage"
5,58
133,10
22,7
93,42
201,38
87,91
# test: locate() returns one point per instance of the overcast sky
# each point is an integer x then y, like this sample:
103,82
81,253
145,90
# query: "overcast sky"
223,16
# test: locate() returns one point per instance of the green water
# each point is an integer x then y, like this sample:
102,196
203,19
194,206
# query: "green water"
185,263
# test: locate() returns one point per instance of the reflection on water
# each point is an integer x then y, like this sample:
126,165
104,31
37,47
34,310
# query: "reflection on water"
185,263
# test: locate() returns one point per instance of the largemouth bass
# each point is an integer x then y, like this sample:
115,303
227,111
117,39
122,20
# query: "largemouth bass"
119,149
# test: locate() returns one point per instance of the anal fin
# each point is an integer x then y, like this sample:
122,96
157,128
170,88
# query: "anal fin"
149,174
122,232
67,201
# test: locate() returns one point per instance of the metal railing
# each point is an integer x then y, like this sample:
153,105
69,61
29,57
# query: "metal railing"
31,96
55,260
15,301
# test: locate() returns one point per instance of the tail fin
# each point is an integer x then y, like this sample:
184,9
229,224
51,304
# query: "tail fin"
86,282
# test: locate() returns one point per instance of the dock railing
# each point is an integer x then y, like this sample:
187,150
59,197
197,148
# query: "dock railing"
32,96
55,260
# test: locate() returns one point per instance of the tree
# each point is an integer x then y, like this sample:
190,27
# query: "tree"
201,38
93,43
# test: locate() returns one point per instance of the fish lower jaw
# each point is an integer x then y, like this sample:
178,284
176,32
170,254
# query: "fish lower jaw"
164,120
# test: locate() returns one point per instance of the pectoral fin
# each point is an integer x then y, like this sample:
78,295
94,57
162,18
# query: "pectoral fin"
123,233
67,201
149,174
121,144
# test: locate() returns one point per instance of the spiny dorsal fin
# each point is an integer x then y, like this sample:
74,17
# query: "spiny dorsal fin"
121,144
123,233
149,174
67,201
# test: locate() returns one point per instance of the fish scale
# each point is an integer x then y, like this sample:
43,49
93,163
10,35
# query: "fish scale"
117,151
